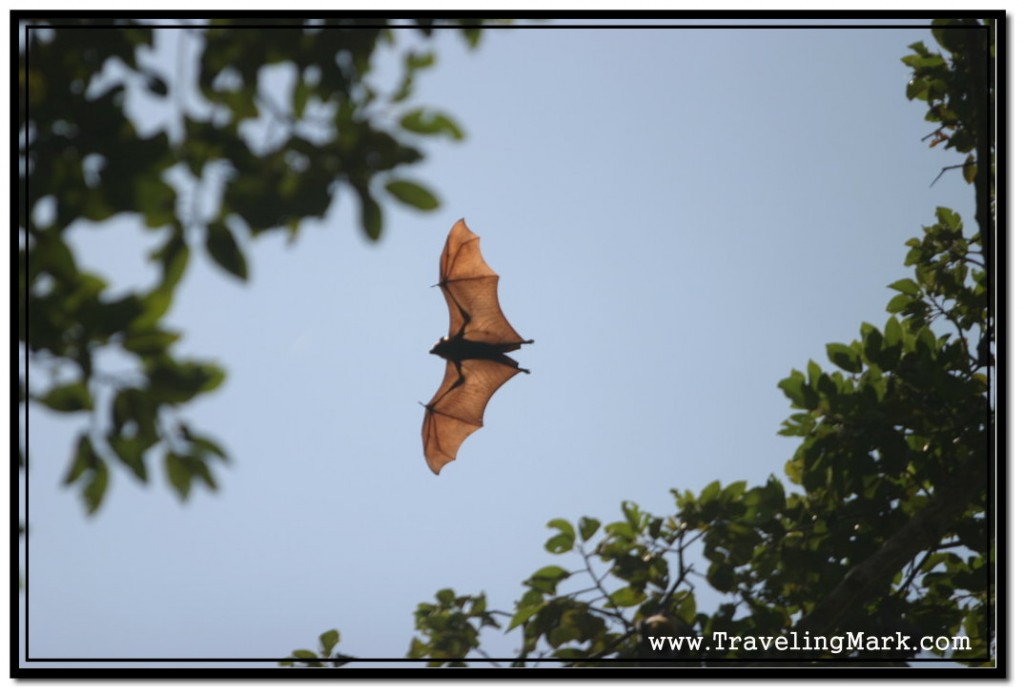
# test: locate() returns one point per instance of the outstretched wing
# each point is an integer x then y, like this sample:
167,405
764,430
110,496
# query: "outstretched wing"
457,409
470,288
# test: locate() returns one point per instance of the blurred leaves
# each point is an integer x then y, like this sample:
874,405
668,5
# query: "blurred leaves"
332,133
412,194
310,658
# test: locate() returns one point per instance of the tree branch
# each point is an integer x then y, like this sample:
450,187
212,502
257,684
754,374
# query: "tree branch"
872,577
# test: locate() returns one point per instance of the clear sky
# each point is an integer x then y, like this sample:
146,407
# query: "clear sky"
679,218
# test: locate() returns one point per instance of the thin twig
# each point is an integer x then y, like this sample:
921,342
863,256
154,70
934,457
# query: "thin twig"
944,170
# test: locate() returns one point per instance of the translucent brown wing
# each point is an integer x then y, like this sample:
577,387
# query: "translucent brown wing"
457,409
470,288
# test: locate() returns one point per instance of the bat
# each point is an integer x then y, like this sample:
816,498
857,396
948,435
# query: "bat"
479,335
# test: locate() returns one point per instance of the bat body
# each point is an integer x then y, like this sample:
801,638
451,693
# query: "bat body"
479,336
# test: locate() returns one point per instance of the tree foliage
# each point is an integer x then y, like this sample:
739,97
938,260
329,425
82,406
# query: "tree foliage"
884,529
267,157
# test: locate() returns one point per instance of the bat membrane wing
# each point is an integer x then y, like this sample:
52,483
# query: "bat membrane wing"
470,288
457,409
461,257
474,312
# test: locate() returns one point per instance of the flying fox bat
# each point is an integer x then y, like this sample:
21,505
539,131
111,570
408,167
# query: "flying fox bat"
479,335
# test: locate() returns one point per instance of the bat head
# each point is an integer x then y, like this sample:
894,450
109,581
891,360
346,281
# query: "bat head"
438,348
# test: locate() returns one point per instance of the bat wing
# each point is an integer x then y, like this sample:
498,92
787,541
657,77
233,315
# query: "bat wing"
470,288
457,409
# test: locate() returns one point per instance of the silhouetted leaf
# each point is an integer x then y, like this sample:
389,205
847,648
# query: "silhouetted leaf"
562,542
412,194
430,123
844,356
176,382
178,475
131,450
371,215
588,526
96,488
224,249
68,398
85,460
547,578
150,341
328,640
206,445
156,199
626,597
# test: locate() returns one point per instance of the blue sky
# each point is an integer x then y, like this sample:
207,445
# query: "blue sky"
679,218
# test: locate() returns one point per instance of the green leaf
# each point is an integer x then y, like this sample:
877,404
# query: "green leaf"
792,387
413,62
205,445
907,287
300,96
893,333
899,303
87,463
620,529
155,304
182,469
156,200
844,356
709,493
430,123
131,451
96,488
85,460
136,406
308,656
588,526
626,597
224,249
412,194
472,36
150,341
919,48
68,398
970,169
547,578
173,257
523,613
328,640
562,526
180,478
418,61
631,511
916,88
949,218
562,542
109,318
53,255
734,490
177,382
721,577
372,217
925,341
872,339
